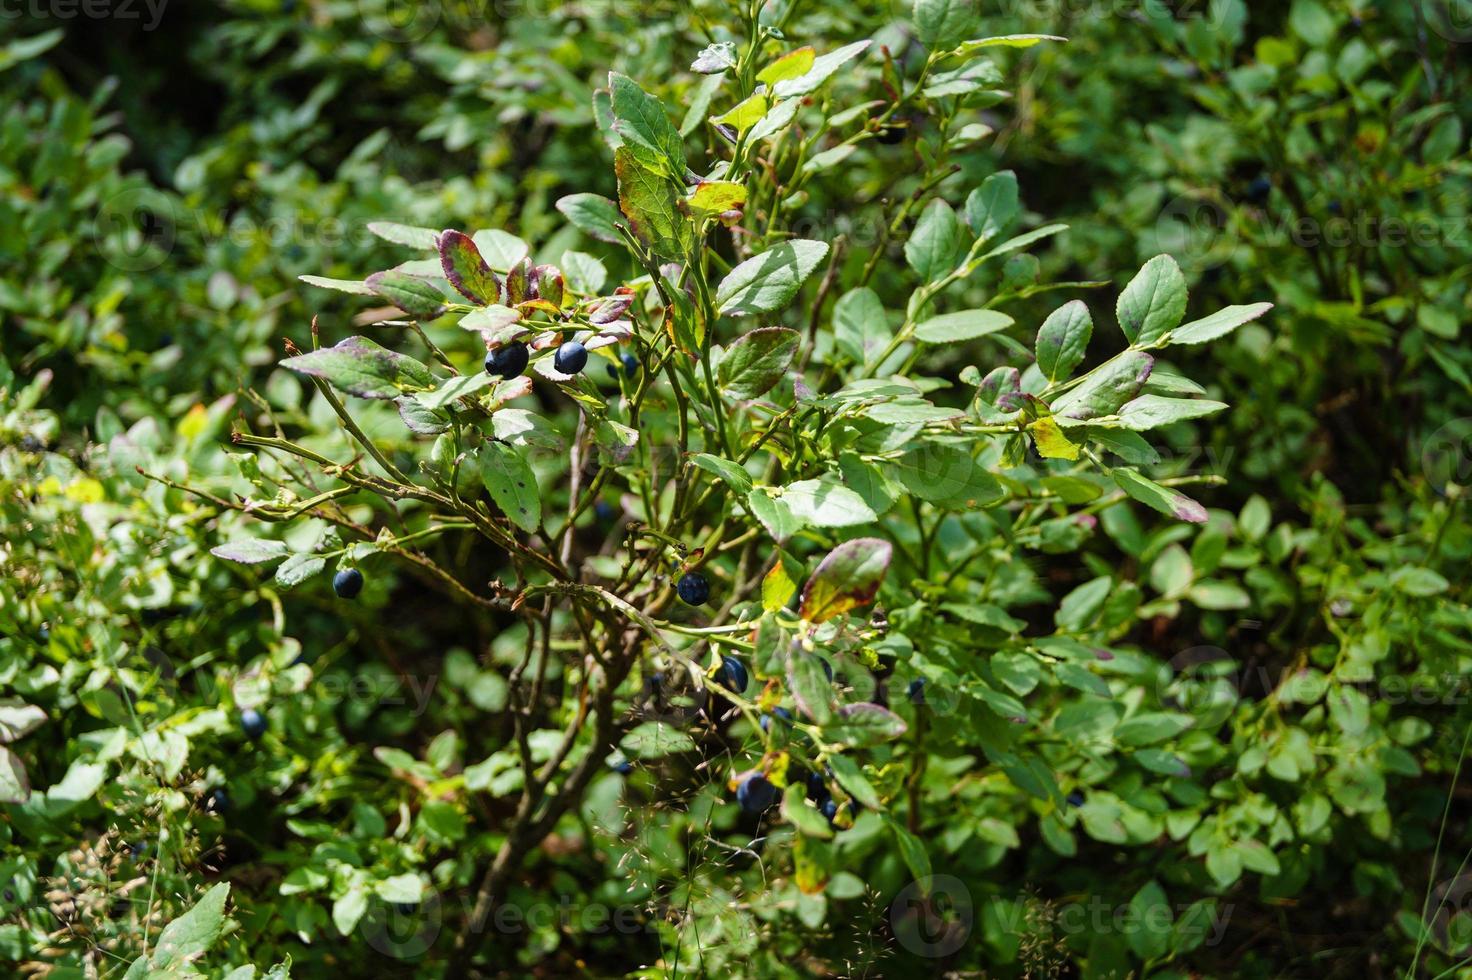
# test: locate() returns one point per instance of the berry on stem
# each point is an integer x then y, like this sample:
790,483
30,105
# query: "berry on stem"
570,358
756,793
732,675
508,360
347,583
253,723
693,588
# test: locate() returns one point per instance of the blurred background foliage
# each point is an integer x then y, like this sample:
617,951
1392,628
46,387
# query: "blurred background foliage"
163,185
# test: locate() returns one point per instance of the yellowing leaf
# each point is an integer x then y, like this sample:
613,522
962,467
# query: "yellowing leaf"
1052,443
793,64
745,114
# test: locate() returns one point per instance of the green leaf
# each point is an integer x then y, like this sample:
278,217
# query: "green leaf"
942,24
767,282
1219,324
252,551
808,683
934,247
1153,411
912,851
193,933
826,503
1005,41
860,326
951,328
1104,390
849,576
1151,727
511,484
641,120
650,203
757,361
806,819
349,908
1159,498
355,286
416,297
392,231
1151,919
823,68
1153,303
992,207
656,739
466,269
1063,339
15,786
863,725
297,569
360,367
455,388
408,887
735,476
18,719
594,215
945,475
774,513
852,779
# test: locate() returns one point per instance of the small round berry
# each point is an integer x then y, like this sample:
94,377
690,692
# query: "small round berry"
732,675
829,809
508,360
917,691
780,713
1076,798
218,802
693,588
253,723
570,358
604,511
756,793
631,365
623,767
347,583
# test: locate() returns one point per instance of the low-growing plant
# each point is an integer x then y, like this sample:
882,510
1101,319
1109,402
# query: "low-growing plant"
775,449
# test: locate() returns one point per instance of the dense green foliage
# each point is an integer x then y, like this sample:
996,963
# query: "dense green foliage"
872,490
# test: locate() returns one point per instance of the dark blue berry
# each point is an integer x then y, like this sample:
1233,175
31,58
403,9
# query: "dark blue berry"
253,723
219,801
604,511
623,766
508,360
693,588
631,365
732,675
829,809
756,793
1076,798
347,583
781,713
917,691
570,358
1259,189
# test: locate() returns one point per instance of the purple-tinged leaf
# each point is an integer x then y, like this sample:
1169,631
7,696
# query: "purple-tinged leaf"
252,551
411,294
466,270
848,577
360,367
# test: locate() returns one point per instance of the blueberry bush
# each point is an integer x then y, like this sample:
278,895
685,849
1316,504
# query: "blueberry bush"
749,488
